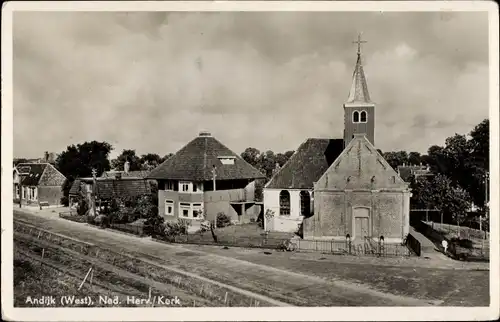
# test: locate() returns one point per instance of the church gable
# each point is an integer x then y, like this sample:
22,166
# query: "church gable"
360,166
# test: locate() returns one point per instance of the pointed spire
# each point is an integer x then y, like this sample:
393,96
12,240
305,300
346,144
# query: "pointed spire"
359,89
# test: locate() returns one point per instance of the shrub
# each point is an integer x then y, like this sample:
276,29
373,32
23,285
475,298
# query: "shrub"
83,207
154,226
91,220
465,243
223,220
176,228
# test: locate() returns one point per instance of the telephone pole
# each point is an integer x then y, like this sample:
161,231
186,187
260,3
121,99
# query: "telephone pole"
94,190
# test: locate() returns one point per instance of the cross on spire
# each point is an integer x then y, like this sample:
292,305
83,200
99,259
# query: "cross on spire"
359,42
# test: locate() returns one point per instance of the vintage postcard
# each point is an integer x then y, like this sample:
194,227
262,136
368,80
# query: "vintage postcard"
250,161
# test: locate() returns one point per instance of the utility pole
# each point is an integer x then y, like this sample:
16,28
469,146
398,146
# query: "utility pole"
94,190
486,179
214,175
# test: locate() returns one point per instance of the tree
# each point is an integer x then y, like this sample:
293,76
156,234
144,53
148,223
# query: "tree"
440,193
150,161
19,160
130,156
414,158
396,159
251,155
479,144
267,163
79,160
167,156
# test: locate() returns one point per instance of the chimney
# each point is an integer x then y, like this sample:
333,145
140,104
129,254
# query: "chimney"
46,156
205,133
126,166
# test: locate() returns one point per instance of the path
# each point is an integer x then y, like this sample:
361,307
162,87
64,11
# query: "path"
295,288
428,248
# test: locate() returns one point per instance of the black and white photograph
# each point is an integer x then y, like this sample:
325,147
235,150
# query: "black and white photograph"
279,157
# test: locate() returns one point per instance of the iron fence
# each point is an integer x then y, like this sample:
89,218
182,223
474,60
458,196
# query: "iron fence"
340,247
127,228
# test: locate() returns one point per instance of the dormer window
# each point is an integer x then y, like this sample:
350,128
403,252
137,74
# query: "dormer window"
227,160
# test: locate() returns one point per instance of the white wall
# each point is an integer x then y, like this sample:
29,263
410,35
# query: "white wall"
282,223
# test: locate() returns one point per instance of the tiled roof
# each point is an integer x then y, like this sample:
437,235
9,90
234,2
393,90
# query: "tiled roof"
307,164
131,174
75,187
107,188
196,159
359,88
32,178
407,171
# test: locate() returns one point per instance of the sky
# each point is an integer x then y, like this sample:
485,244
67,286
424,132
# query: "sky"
151,81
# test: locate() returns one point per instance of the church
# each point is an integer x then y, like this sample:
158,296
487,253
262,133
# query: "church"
334,187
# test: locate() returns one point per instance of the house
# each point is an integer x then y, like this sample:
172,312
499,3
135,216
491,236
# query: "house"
334,187
106,189
407,172
38,184
126,173
289,193
205,178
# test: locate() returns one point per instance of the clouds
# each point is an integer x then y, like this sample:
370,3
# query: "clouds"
152,81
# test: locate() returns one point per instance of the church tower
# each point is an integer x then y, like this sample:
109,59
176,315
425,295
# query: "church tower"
359,110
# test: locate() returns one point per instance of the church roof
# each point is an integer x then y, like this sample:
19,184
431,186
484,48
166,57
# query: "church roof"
196,159
359,88
307,164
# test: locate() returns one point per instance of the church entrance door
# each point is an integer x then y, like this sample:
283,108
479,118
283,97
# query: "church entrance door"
361,223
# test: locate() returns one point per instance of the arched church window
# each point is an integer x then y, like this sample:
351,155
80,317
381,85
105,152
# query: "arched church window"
355,117
363,117
305,203
284,203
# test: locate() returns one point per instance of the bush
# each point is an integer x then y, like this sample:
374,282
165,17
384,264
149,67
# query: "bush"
176,228
223,220
465,243
83,207
154,226
90,220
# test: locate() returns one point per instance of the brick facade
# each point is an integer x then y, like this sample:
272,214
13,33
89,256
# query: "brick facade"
359,182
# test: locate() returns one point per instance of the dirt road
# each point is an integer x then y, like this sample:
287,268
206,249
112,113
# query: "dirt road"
290,287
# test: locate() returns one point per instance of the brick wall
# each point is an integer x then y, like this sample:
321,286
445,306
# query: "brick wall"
52,195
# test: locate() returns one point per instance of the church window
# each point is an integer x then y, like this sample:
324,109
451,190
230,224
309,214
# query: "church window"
363,117
284,203
355,117
305,203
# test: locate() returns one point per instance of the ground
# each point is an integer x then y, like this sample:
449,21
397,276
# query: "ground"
310,279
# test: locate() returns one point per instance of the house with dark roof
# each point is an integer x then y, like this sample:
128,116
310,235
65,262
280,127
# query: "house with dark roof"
205,178
106,189
418,172
338,187
38,184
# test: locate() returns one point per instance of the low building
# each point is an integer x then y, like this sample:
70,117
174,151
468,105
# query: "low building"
38,184
107,189
289,193
205,178
418,172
